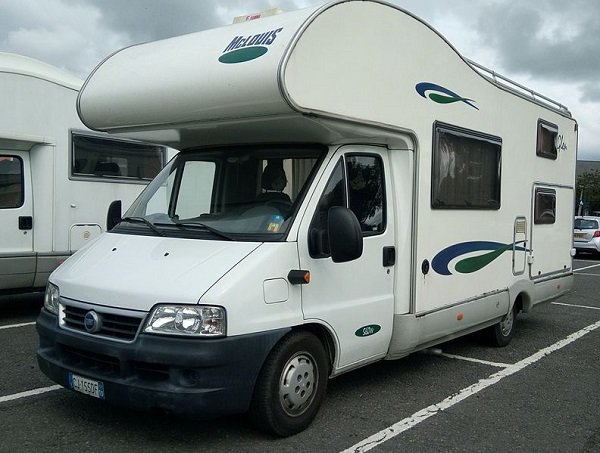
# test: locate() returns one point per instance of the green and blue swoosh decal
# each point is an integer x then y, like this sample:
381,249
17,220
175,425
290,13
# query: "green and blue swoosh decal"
441,95
441,261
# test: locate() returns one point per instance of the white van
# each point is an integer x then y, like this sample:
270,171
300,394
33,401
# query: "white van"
349,189
57,177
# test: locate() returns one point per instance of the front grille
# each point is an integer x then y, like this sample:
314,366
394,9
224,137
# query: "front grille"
116,326
99,363
108,366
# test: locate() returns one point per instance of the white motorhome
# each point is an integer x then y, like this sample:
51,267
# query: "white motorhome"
348,189
57,177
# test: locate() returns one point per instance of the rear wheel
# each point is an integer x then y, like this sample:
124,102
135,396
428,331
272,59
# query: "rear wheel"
500,334
291,385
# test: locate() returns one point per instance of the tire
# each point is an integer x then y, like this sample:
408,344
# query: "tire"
501,334
280,408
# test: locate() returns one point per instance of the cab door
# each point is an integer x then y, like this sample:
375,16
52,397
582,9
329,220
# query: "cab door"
355,299
17,261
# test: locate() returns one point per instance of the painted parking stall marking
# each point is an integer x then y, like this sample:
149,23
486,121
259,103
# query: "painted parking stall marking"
422,415
39,391
586,267
576,306
13,326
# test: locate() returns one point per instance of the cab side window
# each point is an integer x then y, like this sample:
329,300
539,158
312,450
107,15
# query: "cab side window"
356,183
366,194
333,195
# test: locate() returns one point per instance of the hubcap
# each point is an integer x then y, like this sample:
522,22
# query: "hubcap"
298,384
506,324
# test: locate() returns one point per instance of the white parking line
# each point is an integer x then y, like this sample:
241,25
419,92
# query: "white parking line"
422,415
12,326
575,305
470,359
16,396
587,267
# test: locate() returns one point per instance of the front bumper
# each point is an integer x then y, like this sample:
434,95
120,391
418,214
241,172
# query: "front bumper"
200,378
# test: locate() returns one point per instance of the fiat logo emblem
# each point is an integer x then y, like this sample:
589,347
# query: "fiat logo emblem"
92,322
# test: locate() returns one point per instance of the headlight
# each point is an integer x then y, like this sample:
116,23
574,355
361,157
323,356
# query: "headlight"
51,298
189,320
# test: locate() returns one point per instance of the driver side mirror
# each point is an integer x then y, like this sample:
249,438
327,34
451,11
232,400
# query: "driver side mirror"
113,217
345,235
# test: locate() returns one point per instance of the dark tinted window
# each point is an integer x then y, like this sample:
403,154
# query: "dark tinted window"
546,140
466,169
545,206
586,224
109,158
366,191
333,195
11,182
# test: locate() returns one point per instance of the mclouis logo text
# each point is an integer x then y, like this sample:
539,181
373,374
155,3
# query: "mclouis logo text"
246,48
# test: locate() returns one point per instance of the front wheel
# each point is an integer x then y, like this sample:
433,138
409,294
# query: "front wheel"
291,385
500,334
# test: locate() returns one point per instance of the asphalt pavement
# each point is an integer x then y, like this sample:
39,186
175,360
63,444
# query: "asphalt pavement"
540,393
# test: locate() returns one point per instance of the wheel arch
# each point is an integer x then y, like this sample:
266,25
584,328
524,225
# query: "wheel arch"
325,336
521,295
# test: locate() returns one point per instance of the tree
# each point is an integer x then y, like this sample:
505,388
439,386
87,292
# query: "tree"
588,184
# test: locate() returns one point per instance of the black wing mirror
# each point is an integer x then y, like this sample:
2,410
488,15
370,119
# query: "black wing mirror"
113,217
345,235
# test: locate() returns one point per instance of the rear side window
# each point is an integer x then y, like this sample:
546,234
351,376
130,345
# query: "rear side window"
108,158
586,224
11,182
465,169
545,206
546,140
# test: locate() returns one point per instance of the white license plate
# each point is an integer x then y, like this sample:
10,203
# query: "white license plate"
579,235
86,386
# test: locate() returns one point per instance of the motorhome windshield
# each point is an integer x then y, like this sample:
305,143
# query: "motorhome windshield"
225,194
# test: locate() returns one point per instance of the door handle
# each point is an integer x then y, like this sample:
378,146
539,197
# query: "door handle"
25,222
389,256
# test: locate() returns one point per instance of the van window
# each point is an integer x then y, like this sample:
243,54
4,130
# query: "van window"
244,193
11,182
465,170
586,224
356,183
545,206
546,140
366,196
196,189
108,158
333,195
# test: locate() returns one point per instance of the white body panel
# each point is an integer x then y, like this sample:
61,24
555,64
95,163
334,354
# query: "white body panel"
37,116
349,74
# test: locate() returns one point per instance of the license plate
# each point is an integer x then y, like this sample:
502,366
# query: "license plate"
579,235
86,386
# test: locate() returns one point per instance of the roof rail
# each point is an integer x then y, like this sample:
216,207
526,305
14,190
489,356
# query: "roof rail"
519,89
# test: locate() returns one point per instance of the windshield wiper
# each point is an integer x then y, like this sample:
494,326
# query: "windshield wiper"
134,219
204,226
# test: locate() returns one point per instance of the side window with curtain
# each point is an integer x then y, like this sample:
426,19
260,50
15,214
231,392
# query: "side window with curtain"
11,182
465,170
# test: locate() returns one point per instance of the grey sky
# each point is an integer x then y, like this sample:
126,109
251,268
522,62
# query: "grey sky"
552,46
